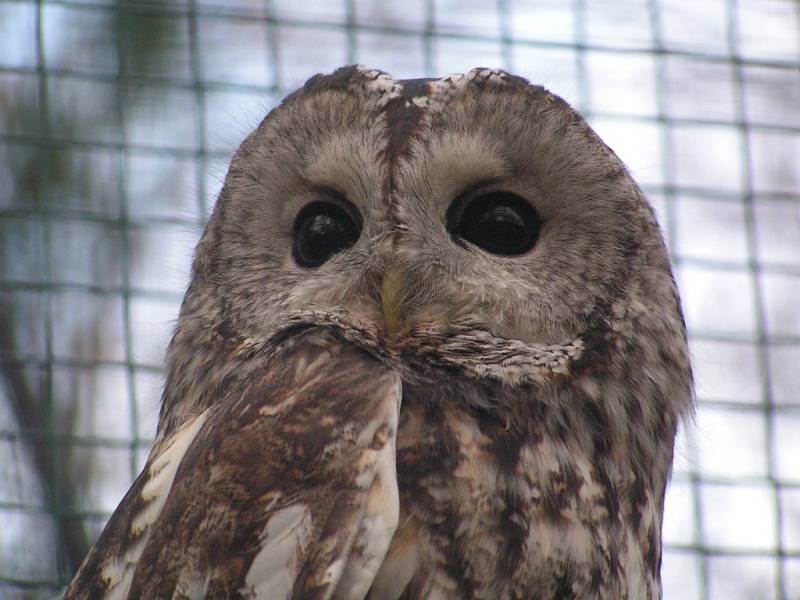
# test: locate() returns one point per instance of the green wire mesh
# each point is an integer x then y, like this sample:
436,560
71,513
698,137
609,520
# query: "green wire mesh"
117,119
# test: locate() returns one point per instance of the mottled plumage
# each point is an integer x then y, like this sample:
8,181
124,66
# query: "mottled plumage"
428,412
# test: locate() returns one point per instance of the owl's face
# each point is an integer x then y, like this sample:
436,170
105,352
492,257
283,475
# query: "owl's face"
480,202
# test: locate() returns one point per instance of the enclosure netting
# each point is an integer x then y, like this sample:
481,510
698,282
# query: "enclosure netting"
117,120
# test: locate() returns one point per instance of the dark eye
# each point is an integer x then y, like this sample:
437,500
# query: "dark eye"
321,230
498,222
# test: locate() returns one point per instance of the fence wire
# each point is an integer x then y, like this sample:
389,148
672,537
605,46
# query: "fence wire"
117,119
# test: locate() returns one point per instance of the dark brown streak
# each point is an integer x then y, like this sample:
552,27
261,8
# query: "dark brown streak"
403,120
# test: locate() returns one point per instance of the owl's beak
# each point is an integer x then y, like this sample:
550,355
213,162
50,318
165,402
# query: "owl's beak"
393,296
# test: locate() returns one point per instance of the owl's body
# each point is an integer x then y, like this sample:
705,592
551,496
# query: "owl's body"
466,385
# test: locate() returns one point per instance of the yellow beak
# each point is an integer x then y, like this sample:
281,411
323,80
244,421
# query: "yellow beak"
393,296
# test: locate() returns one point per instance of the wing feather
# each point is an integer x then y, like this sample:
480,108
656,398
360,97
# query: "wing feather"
286,488
107,571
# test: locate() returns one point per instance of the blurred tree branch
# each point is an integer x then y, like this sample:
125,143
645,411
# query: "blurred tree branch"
33,417
143,43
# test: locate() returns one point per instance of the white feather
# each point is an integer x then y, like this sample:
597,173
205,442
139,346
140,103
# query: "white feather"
381,515
118,571
275,567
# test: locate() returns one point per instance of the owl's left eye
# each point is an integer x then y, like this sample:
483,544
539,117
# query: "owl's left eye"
498,222
321,230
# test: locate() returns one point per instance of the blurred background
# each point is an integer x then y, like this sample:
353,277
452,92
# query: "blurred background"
117,121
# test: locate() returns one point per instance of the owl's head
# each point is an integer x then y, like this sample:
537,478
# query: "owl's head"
473,202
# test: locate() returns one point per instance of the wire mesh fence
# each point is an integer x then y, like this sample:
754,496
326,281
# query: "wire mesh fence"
117,120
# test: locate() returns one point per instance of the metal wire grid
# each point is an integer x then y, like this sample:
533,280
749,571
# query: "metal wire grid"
121,298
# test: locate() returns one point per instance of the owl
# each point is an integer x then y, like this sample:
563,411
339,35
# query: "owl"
432,348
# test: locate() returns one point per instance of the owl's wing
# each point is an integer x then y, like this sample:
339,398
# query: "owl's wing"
286,488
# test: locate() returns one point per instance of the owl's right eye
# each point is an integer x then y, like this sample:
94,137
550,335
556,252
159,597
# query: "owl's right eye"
321,230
